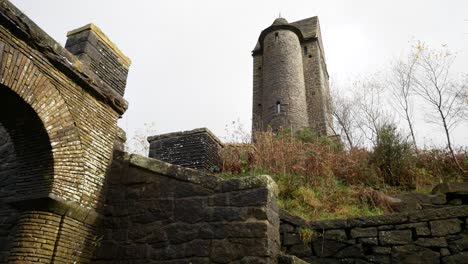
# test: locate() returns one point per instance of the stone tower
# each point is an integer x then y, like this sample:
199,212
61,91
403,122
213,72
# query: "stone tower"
290,78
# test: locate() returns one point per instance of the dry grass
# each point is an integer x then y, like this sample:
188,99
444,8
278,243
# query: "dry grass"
320,180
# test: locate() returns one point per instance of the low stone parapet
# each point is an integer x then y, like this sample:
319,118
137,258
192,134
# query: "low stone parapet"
424,236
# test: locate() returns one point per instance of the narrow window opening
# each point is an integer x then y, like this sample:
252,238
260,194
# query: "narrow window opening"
310,56
305,50
278,107
276,35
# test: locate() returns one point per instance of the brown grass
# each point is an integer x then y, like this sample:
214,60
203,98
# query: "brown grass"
319,180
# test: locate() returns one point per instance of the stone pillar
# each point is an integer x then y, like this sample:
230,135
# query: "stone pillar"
196,149
103,57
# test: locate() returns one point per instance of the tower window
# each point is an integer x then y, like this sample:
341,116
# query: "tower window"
276,35
305,50
278,107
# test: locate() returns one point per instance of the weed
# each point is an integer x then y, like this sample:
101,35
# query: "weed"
307,234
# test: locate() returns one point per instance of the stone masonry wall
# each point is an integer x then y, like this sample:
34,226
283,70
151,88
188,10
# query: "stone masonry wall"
316,79
283,81
425,236
162,213
257,94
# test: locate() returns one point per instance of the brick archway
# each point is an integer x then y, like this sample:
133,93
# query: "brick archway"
26,154
19,74
76,107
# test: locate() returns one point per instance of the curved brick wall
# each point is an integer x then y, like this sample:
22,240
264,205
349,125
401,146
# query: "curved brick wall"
283,77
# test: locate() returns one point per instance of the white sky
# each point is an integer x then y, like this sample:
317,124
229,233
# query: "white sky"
191,60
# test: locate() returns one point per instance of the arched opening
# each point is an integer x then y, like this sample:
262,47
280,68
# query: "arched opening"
26,161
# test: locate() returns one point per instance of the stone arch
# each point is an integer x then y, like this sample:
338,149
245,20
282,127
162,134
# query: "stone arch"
19,75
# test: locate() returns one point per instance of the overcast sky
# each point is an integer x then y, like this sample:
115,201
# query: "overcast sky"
191,60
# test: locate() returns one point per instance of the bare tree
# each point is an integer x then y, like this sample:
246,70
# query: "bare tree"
401,84
138,143
435,84
372,108
344,112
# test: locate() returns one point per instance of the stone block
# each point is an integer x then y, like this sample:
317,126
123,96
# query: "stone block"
459,258
327,248
329,224
368,241
364,232
437,214
445,227
301,250
455,187
379,258
291,239
377,220
431,242
444,252
458,243
395,237
335,234
381,250
352,251
411,254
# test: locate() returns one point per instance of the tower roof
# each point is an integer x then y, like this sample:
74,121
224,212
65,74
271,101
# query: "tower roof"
280,21
308,27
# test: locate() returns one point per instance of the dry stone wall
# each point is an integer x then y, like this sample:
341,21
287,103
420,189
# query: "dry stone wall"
162,213
426,236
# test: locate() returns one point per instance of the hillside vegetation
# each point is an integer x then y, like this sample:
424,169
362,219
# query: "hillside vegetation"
319,179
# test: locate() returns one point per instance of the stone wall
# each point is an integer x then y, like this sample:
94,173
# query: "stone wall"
443,195
196,149
162,213
425,236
